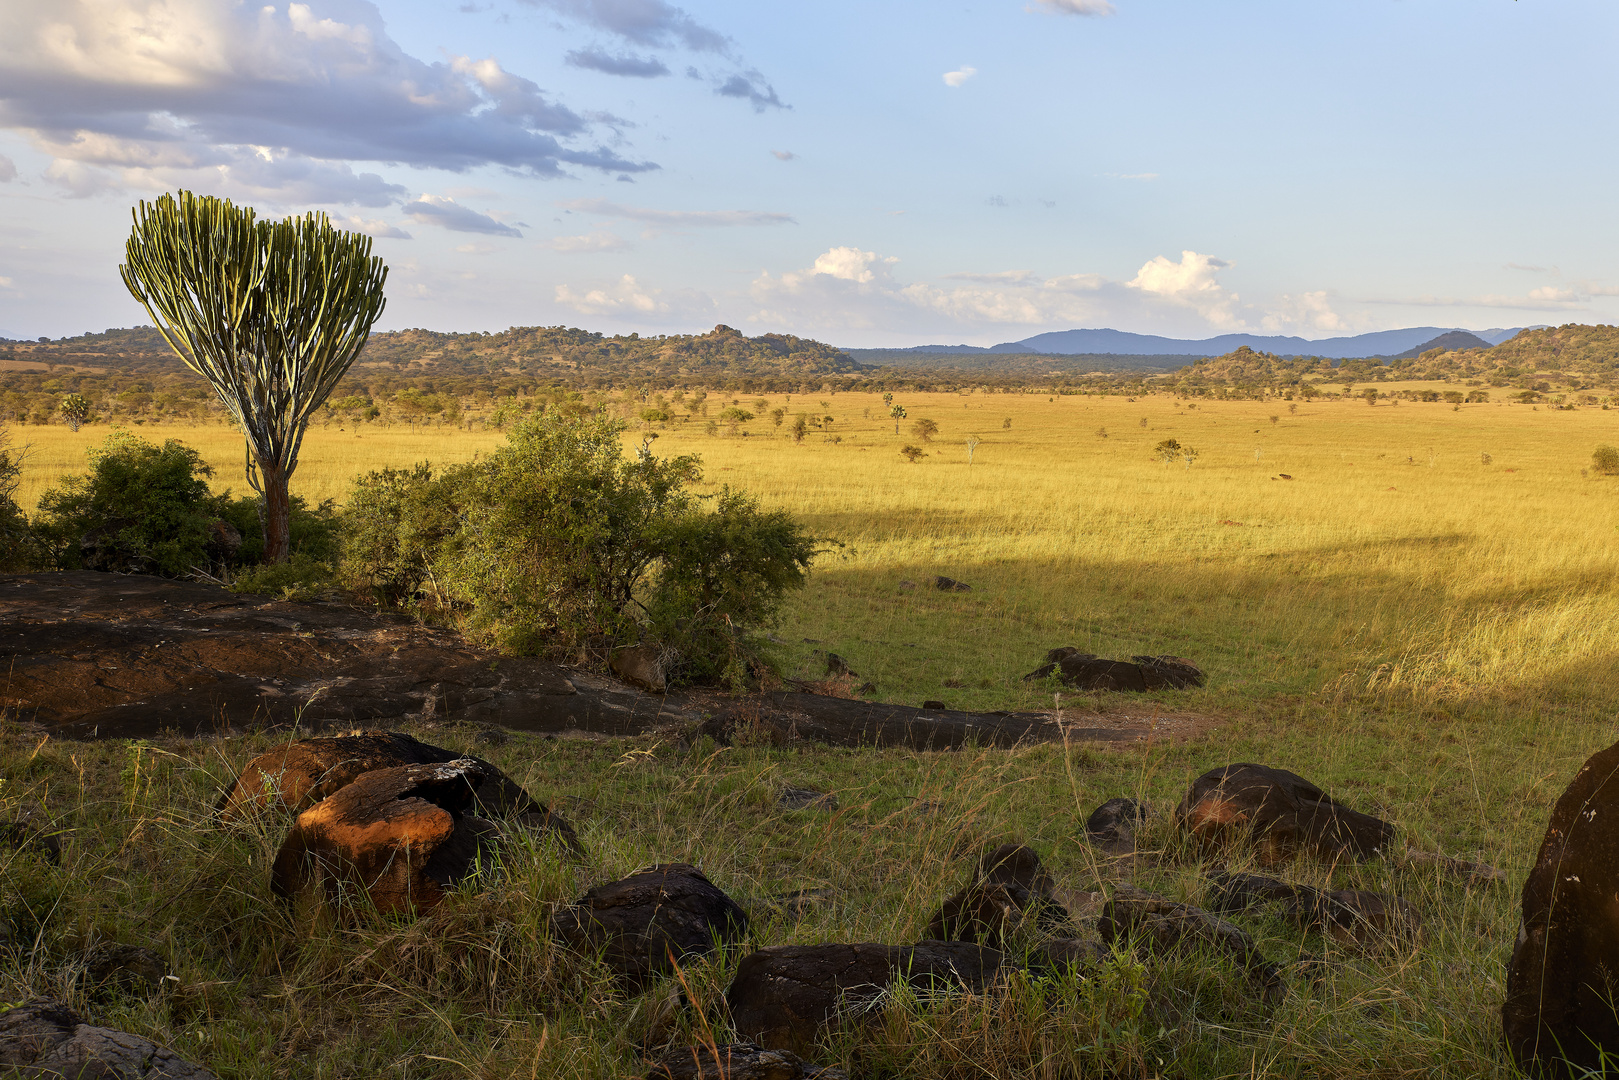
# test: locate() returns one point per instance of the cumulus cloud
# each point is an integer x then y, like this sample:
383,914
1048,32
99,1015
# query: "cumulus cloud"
1073,7
600,240
648,23
752,88
8,170
627,64
676,218
446,213
959,76
1193,282
255,100
1307,311
380,230
1003,277
624,296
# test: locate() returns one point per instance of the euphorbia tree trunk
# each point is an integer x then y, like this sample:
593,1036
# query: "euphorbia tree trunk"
270,313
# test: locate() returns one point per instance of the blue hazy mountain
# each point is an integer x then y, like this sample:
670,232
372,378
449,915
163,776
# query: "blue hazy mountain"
1124,343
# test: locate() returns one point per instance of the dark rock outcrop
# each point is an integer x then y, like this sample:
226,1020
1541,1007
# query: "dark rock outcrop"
1348,916
738,1061
786,996
44,1040
1563,978
1010,890
644,924
297,775
399,836
1281,812
1112,826
944,584
1155,925
1087,671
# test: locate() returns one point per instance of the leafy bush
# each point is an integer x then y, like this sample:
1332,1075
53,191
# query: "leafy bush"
19,546
557,543
1605,459
141,506
313,533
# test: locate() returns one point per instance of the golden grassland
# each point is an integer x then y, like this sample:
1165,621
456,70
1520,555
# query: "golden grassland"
1428,636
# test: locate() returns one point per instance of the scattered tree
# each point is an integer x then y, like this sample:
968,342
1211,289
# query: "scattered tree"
912,453
898,413
1168,450
777,416
75,409
272,314
1101,433
1189,454
1007,423
800,428
972,444
925,429
1143,421
1369,395
1274,419
1605,460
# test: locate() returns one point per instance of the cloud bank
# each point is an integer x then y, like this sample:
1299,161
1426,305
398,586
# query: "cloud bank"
266,102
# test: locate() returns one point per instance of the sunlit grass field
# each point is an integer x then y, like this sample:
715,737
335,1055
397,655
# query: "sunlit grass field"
1427,634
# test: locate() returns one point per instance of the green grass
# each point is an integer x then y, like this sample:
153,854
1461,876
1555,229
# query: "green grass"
1439,654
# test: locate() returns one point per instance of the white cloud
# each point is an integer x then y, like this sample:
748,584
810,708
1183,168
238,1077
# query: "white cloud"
154,93
1193,282
1554,294
676,218
959,76
1307,311
8,170
648,23
1073,7
447,213
380,230
783,155
1003,277
5,283
625,296
600,240
851,264
1131,176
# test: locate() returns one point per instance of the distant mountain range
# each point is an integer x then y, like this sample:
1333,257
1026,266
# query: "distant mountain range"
1383,343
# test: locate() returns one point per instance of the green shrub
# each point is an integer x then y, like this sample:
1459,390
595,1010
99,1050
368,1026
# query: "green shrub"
557,543
313,533
1605,459
143,506
301,577
20,548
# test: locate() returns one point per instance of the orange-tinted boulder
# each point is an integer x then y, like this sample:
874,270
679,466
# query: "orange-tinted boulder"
1563,977
297,775
399,837
1281,812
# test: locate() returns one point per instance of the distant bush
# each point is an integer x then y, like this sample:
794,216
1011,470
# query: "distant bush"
912,453
559,544
1605,460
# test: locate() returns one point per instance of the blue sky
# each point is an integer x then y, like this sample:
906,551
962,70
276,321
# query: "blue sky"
864,173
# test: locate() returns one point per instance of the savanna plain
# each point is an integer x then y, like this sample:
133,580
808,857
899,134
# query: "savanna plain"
1411,604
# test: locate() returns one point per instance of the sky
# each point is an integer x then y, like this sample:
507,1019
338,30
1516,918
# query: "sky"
863,172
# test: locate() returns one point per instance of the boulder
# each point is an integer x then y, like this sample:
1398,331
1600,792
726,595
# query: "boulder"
837,665
297,775
1010,889
738,1061
944,584
113,965
644,665
21,837
1356,917
1563,977
401,836
644,924
1087,671
1169,672
1231,894
44,1040
1281,812
1153,924
806,798
1112,826
785,997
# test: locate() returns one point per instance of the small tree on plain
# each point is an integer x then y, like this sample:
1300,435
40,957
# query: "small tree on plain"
898,413
1189,454
75,409
1168,450
925,429
272,314
1370,395
912,453
800,428
972,444
1605,460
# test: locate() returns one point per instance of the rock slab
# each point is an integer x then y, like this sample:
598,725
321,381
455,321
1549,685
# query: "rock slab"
44,1040
1281,812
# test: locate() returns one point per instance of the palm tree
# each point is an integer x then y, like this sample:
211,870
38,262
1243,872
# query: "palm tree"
271,313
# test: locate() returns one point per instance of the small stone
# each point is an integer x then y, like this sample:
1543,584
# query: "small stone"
934,705
45,1040
944,584
837,665
806,798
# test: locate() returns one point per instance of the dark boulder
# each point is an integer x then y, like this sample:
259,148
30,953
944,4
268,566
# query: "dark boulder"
934,705
1092,673
644,924
1169,672
738,1061
837,665
1112,826
944,584
1563,977
1231,894
1087,671
297,775
1010,889
400,837
115,966
44,1040
1155,925
1356,917
21,837
787,996
1281,812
